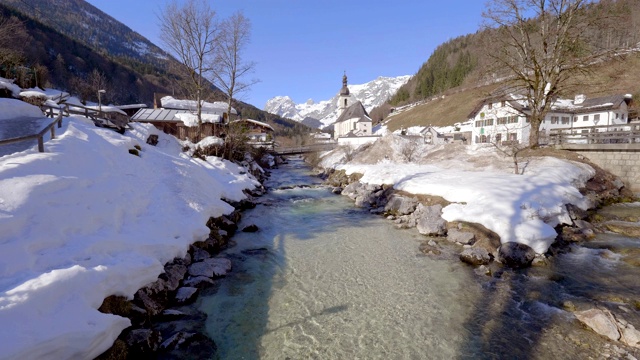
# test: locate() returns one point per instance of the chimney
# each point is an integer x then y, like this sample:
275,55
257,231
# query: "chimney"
580,98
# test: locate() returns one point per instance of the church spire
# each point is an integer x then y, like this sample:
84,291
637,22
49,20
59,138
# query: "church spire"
345,89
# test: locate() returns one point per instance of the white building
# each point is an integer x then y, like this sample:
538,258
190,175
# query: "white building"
354,121
505,118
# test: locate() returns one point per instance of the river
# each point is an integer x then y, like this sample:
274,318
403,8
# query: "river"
322,279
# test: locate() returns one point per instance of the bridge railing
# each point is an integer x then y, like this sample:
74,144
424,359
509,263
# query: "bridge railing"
304,149
609,134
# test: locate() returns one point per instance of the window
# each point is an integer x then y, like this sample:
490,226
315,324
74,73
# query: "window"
512,137
503,103
502,120
512,119
488,122
566,120
479,123
585,118
490,106
498,138
596,117
554,119
617,116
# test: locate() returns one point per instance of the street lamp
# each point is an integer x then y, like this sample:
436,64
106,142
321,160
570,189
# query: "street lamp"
99,101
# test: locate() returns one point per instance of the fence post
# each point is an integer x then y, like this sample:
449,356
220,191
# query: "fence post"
40,144
53,132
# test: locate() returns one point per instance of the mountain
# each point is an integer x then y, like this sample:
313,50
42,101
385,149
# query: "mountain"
87,24
324,113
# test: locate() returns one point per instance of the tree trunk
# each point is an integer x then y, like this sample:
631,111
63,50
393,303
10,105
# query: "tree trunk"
534,133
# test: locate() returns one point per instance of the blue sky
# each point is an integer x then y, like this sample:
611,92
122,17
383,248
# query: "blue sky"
302,47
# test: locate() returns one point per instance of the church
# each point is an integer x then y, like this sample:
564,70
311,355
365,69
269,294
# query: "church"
354,121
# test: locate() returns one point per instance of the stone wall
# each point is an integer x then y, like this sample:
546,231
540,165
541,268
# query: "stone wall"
624,163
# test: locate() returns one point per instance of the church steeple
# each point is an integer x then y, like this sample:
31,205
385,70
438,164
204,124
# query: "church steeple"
343,101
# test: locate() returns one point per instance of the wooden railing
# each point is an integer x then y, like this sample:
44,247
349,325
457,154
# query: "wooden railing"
39,136
611,134
100,118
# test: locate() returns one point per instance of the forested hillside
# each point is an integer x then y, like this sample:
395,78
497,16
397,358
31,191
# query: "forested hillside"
459,69
61,61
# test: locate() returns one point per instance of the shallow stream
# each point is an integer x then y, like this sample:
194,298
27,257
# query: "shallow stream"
322,279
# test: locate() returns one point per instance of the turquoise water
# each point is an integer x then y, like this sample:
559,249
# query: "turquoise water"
325,280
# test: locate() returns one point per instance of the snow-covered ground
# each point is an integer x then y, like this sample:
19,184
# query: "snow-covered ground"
85,220
481,185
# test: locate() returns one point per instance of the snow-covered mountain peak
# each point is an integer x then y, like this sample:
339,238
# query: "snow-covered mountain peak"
371,94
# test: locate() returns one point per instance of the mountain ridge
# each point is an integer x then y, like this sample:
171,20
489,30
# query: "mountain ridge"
324,113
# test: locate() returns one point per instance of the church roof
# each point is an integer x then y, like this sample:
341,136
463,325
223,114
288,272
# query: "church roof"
356,110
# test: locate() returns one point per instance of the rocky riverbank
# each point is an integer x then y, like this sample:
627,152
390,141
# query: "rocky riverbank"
482,248
163,325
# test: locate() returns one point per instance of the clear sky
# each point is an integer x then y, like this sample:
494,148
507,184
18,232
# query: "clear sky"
302,47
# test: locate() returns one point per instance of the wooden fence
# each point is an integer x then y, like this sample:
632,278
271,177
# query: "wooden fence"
610,134
39,136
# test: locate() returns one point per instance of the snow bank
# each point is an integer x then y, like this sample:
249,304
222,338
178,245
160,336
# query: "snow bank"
12,108
519,208
9,85
86,220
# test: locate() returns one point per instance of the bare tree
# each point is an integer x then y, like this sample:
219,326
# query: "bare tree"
229,67
189,31
542,44
510,148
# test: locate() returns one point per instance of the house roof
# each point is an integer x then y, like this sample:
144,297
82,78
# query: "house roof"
256,122
560,105
164,115
356,110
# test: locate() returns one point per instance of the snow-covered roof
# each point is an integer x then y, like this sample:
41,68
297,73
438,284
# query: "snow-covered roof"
9,85
131,106
259,123
169,102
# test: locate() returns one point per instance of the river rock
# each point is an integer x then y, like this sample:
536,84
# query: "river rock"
143,342
516,255
198,281
623,228
352,190
183,345
401,205
462,237
475,256
600,321
199,254
214,267
186,295
429,221
629,335
173,274
250,228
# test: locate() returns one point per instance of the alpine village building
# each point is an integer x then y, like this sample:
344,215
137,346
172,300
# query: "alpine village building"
499,119
354,121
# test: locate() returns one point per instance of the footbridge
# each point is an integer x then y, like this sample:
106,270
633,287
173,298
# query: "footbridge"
298,150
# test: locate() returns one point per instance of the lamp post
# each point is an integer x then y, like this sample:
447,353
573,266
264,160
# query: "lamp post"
100,101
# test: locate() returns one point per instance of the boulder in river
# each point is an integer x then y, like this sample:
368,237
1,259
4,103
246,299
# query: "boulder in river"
214,267
516,255
475,256
429,221
462,237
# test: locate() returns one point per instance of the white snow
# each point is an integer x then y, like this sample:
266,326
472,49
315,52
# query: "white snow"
519,208
86,220
12,108
209,141
171,103
9,85
189,119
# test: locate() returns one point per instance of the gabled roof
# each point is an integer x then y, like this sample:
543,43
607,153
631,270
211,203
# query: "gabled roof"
513,103
356,110
166,115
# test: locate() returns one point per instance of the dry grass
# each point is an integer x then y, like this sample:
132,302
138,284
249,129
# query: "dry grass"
620,76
